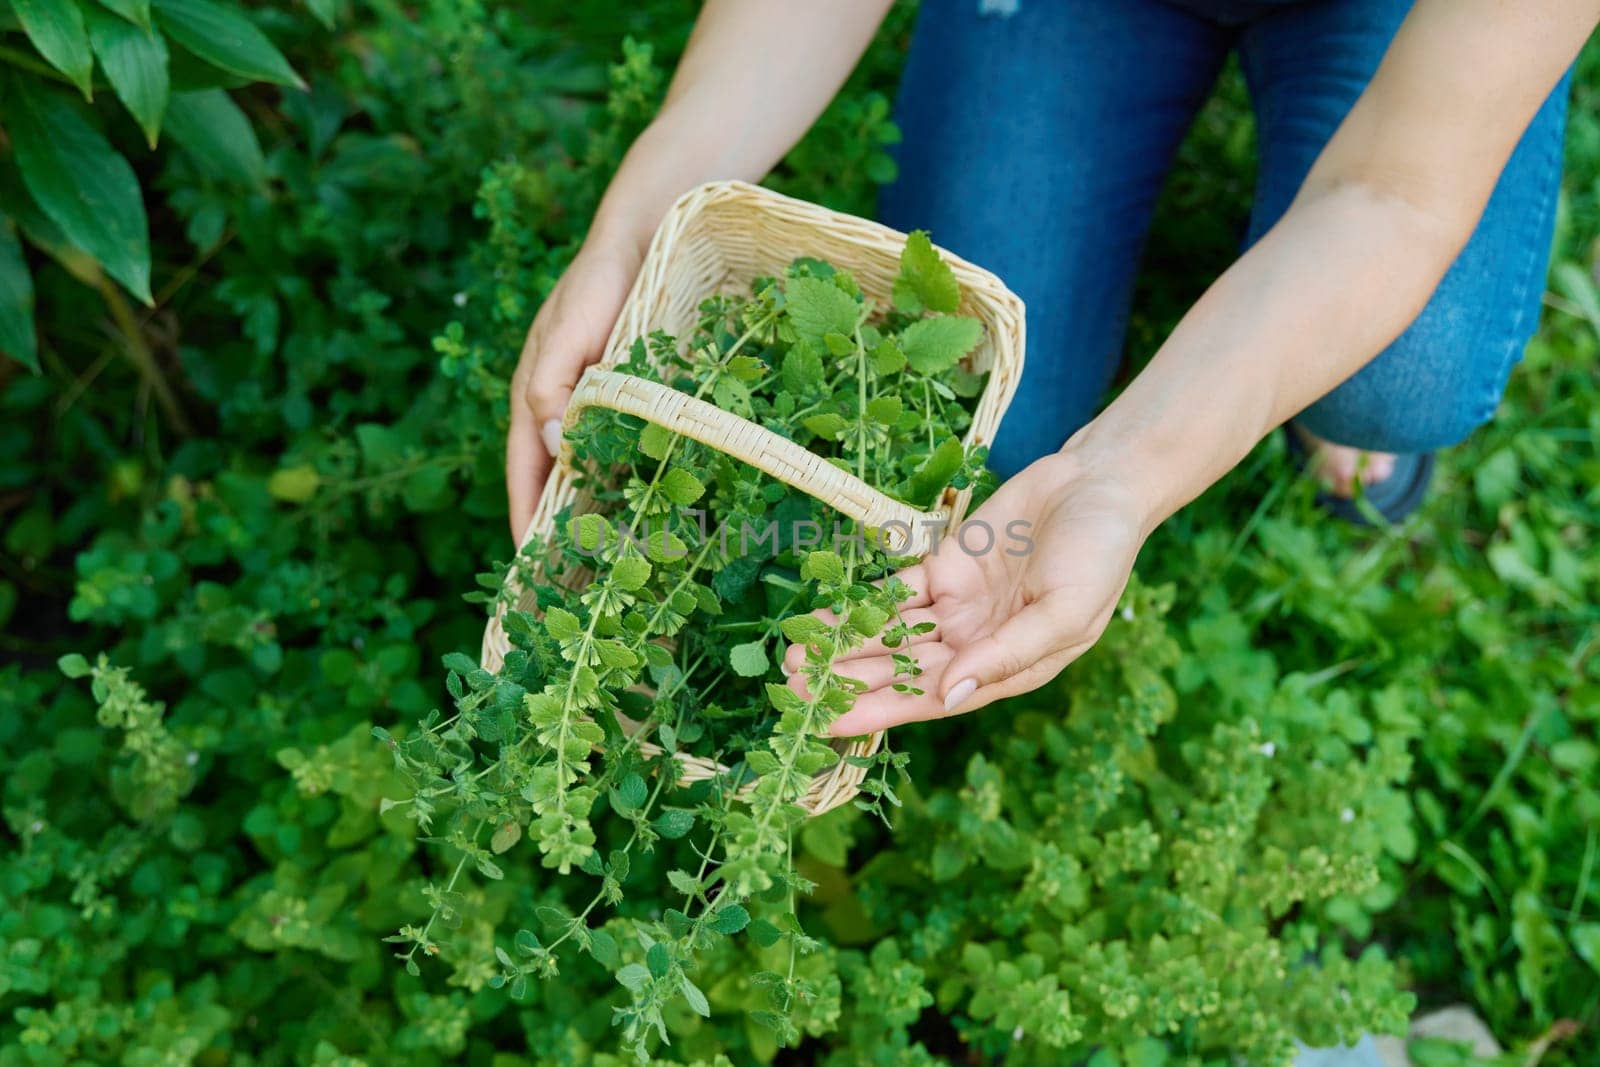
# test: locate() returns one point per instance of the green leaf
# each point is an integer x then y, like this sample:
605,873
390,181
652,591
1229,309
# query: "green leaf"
505,835
823,565
324,11
674,823
74,665
817,308
17,338
222,36
683,882
135,62
659,960
633,977
135,11
697,1000
804,629
926,282
56,29
295,485
730,919
764,934
936,472
828,425
1586,940
630,573
802,371
936,345
212,129
760,761
681,487
81,183
749,660
655,441
630,794
603,947
562,624
885,410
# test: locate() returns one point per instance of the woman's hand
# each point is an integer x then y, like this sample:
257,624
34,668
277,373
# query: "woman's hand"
1007,620
567,335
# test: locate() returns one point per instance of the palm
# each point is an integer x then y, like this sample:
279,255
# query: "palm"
1012,614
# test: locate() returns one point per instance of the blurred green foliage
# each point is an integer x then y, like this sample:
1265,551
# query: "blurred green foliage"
263,495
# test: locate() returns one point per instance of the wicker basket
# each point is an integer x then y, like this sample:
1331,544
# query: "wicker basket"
718,238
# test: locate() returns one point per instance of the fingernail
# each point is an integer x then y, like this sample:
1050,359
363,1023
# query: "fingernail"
551,432
784,667
959,693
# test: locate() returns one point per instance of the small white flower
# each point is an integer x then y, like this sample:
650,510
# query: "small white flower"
191,758
1347,815
460,300
1016,1035
37,827
1127,613
1268,749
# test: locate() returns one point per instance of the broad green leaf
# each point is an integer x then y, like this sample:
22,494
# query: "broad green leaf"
823,565
40,232
1586,939
926,282
681,487
749,660
17,338
221,35
135,11
817,308
633,977
212,129
936,472
135,62
697,1000
56,29
562,624
655,441
935,345
730,919
295,485
828,425
673,823
505,835
631,794
81,183
630,572
603,947
324,11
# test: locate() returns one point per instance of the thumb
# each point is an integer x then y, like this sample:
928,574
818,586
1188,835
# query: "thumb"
1022,653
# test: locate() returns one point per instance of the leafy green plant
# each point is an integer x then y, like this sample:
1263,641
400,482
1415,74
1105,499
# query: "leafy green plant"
63,186
638,569
209,876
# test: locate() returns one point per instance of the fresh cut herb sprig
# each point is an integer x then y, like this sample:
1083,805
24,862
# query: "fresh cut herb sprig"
666,598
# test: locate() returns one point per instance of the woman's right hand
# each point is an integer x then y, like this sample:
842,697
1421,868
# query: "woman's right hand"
567,335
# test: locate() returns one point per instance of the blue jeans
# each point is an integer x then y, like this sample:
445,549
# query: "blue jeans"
1037,134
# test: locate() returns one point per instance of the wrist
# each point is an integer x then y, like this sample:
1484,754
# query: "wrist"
1141,483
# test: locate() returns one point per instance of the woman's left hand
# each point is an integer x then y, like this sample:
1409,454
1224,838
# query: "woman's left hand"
1009,610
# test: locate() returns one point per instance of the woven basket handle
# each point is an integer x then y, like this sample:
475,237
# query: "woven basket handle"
905,530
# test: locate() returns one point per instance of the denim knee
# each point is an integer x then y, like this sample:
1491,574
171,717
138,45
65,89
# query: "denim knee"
1429,390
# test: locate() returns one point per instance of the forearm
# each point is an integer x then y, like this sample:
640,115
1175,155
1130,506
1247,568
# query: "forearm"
1341,275
754,77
